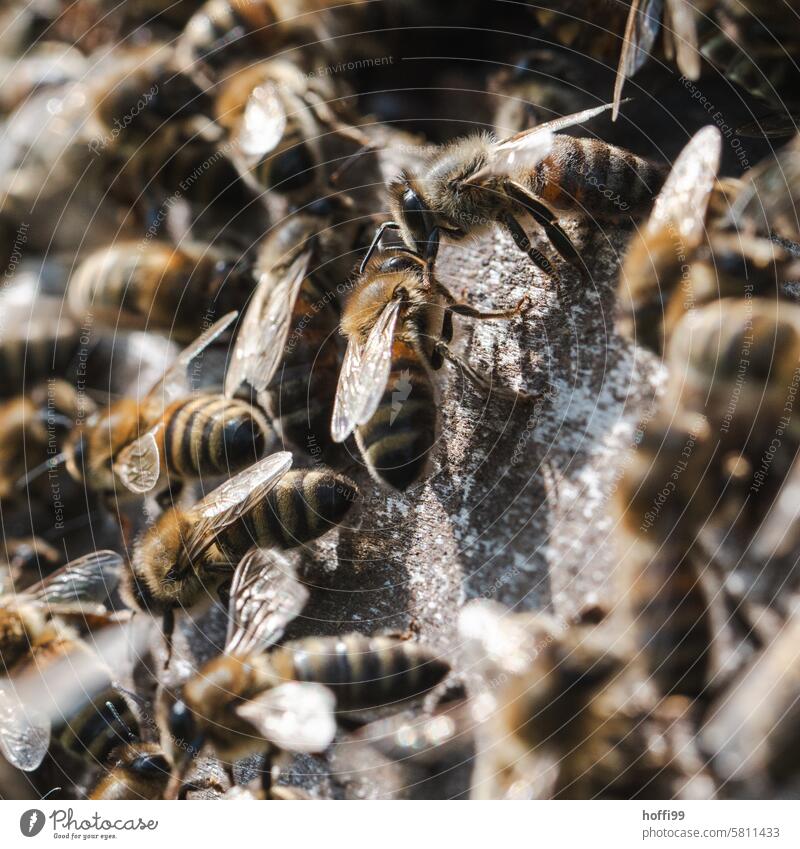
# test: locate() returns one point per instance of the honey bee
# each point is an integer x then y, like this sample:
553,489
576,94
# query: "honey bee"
134,770
159,287
286,348
751,730
637,24
559,714
398,322
687,256
286,129
33,428
230,701
475,183
236,703
168,436
187,554
226,32
32,635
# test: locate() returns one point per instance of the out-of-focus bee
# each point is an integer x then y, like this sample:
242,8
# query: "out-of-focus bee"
225,33
287,130
24,561
33,428
541,85
561,714
187,554
475,183
751,732
170,435
32,635
47,66
752,42
681,260
287,347
637,24
158,286
398,322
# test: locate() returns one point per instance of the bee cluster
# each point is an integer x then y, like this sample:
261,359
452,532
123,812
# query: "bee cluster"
305,413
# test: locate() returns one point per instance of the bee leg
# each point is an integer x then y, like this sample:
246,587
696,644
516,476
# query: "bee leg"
266,775
522,241
547,220
376,239
167,628
443,350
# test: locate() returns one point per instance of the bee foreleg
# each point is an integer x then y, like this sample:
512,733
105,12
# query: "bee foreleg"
522,241
442,350
547,220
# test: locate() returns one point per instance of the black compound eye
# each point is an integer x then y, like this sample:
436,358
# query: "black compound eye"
292,169
398,263
150,765
417,217
181,722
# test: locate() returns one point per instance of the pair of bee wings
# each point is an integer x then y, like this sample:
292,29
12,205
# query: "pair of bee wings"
641,29
32,700
265,597
138,465
82,586
230,501
261,340
682,204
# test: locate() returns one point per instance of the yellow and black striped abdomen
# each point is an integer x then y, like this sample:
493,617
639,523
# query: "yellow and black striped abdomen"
212,435
397,440
304,505
596,179
363,672
300,395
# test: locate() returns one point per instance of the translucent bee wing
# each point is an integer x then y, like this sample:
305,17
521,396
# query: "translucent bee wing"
265,596
264,122
641,29
24,731
775,125
138,465
683,201
364,374
230,501
175,382
680,30
260,343
516,155
296,716
89,579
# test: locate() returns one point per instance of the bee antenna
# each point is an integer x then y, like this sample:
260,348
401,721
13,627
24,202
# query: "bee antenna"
117,718
50,792
376,239
36,471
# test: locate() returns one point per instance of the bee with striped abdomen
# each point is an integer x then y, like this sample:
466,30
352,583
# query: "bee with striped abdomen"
188,553
287,348
169,435
33,637
288,131
163,287
235,703
475,183
398,322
